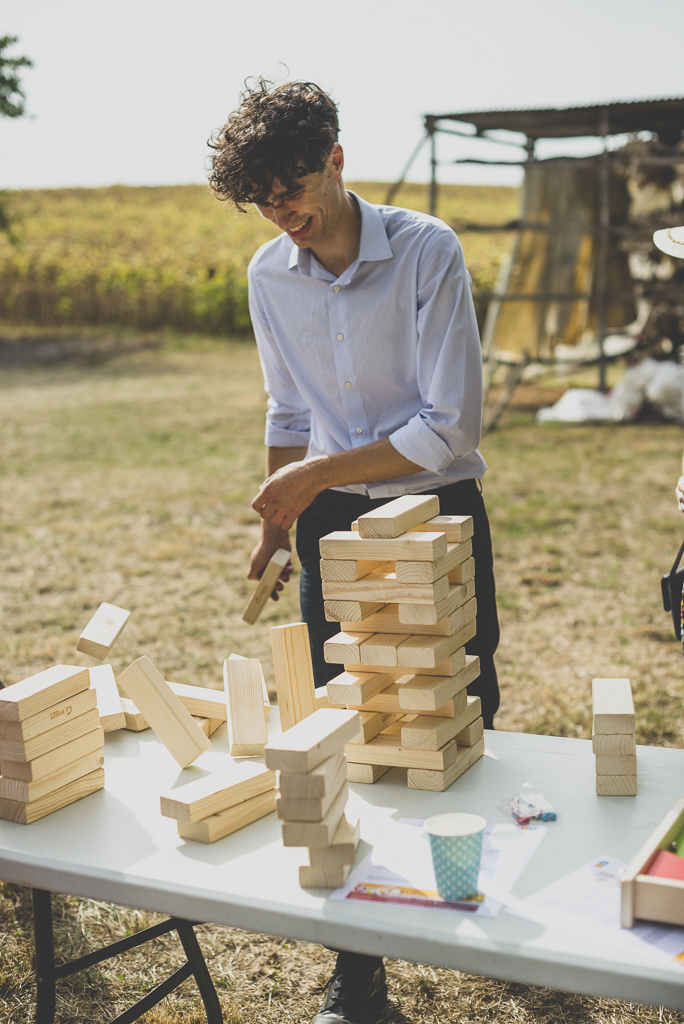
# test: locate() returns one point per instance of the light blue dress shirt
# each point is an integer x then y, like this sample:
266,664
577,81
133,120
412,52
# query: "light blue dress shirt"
388,349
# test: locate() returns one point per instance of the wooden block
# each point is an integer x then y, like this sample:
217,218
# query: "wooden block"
431,733
416,611
428,572
456,528
365,774
266,586
343,647
348,569
314,784
109,706
386,749
614,743
55,761
103,630
357,687
374,722
429,651
388,702
321,697
449,667
616,764
385,587
351,611
462,573
469,736
246,726
427,693
314,808
438,782
29,750
135,721
342,850
25,813
312,741
432,614
379,648
226,822
44,690
27,792
50,719
398,516
200,700
613,706
264,688
315,834
208,725
171,722
387,619
616,785
323,878
293,673
215,793
411,547
637,885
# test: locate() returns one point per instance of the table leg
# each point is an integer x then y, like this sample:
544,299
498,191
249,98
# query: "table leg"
45,957
205,985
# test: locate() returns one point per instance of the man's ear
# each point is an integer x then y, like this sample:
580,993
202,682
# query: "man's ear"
336,160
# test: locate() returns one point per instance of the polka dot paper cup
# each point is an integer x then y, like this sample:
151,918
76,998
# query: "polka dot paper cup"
456,844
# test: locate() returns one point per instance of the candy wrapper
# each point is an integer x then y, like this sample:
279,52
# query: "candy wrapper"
527,806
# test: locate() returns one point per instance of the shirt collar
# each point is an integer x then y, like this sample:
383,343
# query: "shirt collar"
374,243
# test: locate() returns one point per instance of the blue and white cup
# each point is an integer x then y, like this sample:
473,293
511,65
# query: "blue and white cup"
456,844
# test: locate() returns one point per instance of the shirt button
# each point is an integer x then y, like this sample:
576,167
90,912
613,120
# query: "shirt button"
336,288
359,430
340,337
347,384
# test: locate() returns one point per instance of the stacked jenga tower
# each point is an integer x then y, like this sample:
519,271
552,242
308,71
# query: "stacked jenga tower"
614,737
313,791
50,743
402,587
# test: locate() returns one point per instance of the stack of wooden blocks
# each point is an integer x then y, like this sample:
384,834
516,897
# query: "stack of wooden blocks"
217,805
50,743
402,587
614,737
313,791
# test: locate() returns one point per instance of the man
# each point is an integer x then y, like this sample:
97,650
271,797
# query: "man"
371,358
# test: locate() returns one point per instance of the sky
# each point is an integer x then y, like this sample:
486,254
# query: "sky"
128,92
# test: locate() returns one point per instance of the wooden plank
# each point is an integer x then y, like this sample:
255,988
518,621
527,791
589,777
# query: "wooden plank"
365,774
428,572
462,573
386,620
351,611
26,792
324,877
427,693
314,784
357,687
215,793
246,725
438,782
614,743
431,733
388,702
29,750
264,688
25,813
414,547
201,700
103,630
417,611
293,673
37,693
171,722
374,722
379,648
266,586
456,528
616,785
386,749
469,736
54,761
315,834
616,764
432,614
385,587
449,667
398,516
312,740
50,719
217,826
312,808
208,725
112,717
429,651
135,721
348,569
613,706
343,647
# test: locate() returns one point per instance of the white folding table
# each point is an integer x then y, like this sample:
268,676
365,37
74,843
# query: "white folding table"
116,846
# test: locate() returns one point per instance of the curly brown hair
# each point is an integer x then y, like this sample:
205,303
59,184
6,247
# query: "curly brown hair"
284,132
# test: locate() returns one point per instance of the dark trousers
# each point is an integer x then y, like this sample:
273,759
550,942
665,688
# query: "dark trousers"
336,510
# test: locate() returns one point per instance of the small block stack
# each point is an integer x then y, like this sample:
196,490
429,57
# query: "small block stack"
313,791
218,805
614,737
50,743
405,621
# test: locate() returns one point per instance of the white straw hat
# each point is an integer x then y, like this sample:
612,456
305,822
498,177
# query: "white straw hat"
671,241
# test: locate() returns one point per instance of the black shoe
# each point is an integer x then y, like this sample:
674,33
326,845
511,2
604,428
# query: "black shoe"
357,992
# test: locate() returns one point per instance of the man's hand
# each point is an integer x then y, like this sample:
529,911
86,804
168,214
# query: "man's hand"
288,491
679,492
270,541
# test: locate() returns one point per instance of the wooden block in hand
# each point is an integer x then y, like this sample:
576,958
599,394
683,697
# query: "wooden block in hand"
616,764
357,687
428,572
342,850
244,700
171,722
613,706
37,693
616,785
27,792
50,719
456,528
264,689
398,516
365,774
200,700
438,782
351,611
135,721
29,750
215,793
615,743
216,826
109,705
25,813
103,630
411,547
54,761
266,585
331,877
384,587
317,783
312,740
313,808
293,673
386,620
316,834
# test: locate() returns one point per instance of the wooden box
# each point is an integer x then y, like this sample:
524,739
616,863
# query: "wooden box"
646,896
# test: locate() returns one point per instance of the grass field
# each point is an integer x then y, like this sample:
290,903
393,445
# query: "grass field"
130,481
